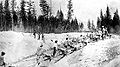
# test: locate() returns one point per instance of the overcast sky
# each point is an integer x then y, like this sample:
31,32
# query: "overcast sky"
83,9
87,9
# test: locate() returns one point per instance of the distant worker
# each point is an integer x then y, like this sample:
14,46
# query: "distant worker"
2,63
39,53
43,38
34,33
38,36
102,29
55,47
106,32
39,50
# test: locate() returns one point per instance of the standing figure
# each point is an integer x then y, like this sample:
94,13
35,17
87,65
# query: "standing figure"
38,35
102,32
2,63
55,48
106,32
34,33
39,53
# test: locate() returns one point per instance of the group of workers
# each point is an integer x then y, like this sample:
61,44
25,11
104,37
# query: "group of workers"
73,44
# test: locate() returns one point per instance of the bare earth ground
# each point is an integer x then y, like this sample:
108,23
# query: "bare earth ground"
17,45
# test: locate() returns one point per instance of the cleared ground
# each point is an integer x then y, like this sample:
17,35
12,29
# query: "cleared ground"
17,45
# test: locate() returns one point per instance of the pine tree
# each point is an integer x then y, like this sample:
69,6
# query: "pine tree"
108,13
116,20
45,9
31,15
72,25
1,16
34,16
30,20
23,14
8,19
53,23
13,3
14,15
81,26
101,19
15,19
40,22
70,10
98,23
76,24
107,17
101,15
68,26
18,13
92,26
107,20
36,21
60,15
60,19
89,25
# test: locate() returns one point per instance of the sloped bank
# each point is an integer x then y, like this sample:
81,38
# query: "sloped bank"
99,54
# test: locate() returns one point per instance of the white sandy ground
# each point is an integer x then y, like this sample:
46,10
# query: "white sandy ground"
18,45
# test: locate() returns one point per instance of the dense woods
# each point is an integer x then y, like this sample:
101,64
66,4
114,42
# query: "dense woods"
26,20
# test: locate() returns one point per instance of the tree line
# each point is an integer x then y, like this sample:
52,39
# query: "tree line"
111,23
25,18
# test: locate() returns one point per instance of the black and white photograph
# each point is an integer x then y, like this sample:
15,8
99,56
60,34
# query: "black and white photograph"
59,33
